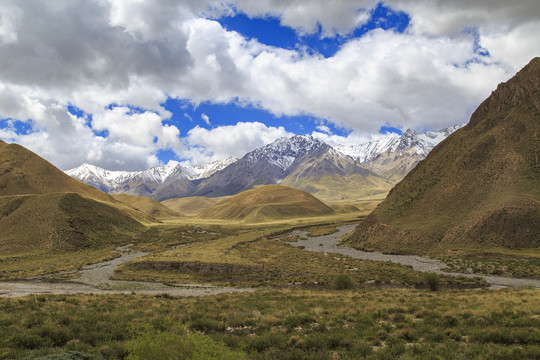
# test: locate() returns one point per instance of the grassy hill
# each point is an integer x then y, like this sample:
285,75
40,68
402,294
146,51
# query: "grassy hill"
23,172
41,208
267,203
59,221
480,188
148,206
190,206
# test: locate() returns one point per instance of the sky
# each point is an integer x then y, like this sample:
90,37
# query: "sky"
131,84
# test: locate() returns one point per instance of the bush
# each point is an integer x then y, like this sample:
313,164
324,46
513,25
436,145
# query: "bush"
431,280
167,345
70,355
343,282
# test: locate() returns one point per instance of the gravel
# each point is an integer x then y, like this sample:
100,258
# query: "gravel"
330,244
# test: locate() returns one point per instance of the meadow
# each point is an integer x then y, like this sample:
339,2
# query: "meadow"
306,305
378,323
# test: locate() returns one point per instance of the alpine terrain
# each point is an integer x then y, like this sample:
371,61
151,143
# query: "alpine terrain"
364,171
43,208
479,188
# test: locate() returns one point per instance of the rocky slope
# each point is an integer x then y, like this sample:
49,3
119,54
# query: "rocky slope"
394,156
478,188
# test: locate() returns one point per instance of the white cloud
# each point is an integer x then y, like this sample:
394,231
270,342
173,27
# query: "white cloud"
136,54
203,145
205,118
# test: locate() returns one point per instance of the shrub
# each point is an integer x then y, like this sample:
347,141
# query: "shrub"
168,345
431,280
343,282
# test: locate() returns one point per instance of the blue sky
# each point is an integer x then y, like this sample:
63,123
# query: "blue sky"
131,85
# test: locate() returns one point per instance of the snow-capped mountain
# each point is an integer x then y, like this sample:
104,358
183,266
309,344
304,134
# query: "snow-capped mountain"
206,170
394,156
149,181
423,143
262,166
300,161
282,152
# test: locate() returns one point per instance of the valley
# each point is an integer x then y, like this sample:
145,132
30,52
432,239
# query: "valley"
292,251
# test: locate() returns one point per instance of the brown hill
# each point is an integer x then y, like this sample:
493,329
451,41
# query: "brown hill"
43,208
479,187
149,206
190,206
267,203
60,222
23,172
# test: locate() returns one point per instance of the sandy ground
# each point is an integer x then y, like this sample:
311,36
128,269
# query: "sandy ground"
330,244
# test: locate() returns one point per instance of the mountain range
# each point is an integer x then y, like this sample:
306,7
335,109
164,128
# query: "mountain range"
331,173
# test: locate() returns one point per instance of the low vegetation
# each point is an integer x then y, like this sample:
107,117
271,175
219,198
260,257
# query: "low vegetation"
285,324
242,256
267,203
495,264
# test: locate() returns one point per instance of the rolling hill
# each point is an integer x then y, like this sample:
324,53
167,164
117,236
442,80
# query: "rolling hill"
149,206
23,172
190,206
43,208
478,188
267,203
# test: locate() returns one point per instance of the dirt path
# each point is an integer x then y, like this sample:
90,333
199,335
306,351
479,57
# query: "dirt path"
95,279
330,244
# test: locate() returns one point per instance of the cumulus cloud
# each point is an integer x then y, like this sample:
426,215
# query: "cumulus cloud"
133,55
203,145
206,119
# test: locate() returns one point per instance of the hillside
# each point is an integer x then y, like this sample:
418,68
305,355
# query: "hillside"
148,206
332,176
190,206
43,208
478,188
267,203
23,172
62,221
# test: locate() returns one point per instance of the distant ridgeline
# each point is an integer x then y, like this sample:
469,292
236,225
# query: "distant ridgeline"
366,171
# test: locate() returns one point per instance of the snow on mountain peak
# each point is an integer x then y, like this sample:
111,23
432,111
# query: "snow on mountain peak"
285,150
422,143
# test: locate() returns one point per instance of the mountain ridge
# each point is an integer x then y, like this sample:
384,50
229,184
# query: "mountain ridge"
378,165
480,187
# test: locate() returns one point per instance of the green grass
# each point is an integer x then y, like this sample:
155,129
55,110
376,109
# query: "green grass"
43,262
285,324
492,264
243,256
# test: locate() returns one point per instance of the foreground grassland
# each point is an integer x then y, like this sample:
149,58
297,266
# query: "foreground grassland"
278,324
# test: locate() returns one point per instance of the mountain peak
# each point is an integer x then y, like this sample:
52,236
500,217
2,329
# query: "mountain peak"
520,91
285,150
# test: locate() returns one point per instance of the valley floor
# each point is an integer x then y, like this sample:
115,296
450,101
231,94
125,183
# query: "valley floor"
279,291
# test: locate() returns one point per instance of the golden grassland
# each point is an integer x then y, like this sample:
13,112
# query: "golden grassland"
190,206
276,324
245,255
267,203
149,206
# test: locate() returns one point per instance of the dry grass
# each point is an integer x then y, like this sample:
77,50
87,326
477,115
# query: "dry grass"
286,324
190,206
266,203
